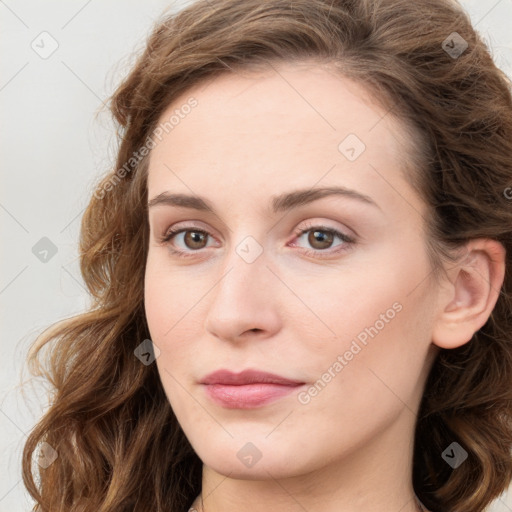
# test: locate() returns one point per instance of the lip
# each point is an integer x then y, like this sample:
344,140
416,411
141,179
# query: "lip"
247,377
247,389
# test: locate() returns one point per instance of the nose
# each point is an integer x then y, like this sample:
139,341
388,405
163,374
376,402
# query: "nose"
244,302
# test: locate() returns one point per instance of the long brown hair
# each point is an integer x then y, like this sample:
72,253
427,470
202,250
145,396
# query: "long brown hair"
119,446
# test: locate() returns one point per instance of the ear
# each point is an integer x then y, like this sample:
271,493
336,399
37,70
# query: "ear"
471,293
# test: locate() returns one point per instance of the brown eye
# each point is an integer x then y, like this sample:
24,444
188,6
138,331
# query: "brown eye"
194,239
320,239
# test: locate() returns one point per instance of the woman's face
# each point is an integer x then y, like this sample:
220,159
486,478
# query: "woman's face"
348,315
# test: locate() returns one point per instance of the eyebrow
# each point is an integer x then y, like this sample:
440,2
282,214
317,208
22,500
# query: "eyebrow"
280,203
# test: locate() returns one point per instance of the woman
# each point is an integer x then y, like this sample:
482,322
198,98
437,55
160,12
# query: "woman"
301,271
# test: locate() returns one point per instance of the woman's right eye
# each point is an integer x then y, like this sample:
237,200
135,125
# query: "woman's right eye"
193,239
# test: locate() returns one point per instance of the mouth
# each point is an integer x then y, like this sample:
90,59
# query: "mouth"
248,389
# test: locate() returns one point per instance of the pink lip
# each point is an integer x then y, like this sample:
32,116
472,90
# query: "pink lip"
248,389
247,377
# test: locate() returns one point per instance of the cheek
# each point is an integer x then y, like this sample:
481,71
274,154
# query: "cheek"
155,302
171,307
377,319
334,309
165,296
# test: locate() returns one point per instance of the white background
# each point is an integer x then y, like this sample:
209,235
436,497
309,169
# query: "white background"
56,139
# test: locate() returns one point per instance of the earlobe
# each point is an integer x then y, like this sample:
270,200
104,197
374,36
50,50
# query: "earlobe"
467,301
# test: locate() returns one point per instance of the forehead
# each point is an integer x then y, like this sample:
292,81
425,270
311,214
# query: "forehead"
313,93
267,129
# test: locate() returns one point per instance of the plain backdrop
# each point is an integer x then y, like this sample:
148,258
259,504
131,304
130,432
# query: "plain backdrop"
59,62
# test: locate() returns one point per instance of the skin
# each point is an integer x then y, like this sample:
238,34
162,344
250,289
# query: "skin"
250,137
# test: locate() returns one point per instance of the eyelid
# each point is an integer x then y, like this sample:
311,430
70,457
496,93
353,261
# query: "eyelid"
178,227
321,225
181,226
177,230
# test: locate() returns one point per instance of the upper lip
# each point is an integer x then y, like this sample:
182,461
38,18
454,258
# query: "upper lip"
247,377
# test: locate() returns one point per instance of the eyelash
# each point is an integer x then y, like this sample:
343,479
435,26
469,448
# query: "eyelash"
349,241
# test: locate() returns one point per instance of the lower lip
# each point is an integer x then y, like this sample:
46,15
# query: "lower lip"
247,396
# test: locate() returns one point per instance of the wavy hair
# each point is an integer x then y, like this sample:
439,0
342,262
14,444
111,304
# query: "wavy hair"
119,445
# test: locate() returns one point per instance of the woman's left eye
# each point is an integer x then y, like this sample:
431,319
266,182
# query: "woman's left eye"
320,238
